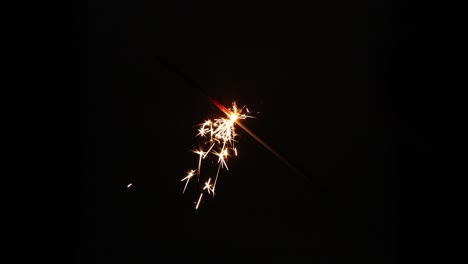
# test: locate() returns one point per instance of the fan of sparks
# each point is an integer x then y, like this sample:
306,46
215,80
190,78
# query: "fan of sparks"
219,138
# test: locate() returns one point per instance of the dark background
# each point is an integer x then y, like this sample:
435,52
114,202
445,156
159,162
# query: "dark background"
365,98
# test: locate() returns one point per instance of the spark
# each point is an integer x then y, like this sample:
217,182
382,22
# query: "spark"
222,155
199,200
208,187
130,184
187,178
201,155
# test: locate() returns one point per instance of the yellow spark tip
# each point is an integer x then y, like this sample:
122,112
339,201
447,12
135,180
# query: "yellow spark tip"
233,117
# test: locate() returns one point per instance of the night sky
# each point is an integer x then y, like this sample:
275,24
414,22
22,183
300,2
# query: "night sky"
362,97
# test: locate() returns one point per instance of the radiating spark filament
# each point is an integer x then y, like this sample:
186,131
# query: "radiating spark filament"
187,178
216,179
208,152
201,155
199,200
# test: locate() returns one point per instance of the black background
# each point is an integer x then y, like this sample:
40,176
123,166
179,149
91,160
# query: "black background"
365,98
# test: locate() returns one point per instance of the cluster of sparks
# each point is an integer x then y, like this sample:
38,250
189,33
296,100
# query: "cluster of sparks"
219,138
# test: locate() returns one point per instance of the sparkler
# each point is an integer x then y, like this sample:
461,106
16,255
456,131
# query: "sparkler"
224,135
220,135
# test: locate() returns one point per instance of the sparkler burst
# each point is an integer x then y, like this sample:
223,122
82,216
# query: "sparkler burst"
220,134
219,139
